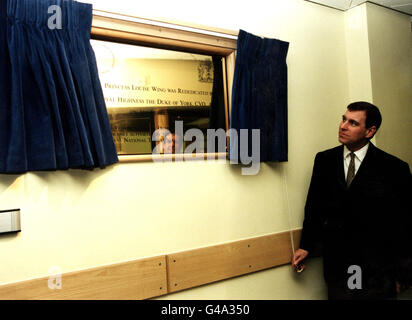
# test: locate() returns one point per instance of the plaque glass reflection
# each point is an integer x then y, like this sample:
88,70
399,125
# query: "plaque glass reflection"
147,90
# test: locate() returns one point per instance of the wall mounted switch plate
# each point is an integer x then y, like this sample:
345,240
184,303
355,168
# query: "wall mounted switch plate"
10,221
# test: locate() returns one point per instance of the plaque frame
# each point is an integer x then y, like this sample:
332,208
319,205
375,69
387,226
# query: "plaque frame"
172,35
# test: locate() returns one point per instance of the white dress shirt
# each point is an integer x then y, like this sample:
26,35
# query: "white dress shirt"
359,156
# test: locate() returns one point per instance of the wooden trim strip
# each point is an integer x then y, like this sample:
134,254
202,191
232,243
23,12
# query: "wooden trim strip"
161,43
160,37
172,22
139,279
206,265
156,276
230,70
226,100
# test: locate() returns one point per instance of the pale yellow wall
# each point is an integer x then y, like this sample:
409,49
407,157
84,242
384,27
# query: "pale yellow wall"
390,42
358,54
379,59
80,219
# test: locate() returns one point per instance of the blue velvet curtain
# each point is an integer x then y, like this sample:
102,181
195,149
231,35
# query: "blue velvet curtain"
52,111
259,95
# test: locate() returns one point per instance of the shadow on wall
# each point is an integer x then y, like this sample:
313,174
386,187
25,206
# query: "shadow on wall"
56,187
253,169
7,181
11,191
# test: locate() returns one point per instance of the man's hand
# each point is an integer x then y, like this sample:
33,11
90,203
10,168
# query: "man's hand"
298,257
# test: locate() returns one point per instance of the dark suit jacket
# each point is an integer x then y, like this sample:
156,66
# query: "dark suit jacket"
367,224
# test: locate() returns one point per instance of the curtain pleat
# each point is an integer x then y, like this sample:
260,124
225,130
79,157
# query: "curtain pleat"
52,110
259,96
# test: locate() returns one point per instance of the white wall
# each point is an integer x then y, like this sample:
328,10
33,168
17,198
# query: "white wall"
390,43
358,54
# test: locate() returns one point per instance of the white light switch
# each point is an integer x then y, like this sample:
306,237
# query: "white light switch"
10,220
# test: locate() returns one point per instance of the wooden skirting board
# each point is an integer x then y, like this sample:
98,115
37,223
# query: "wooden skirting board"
196,267
156,276
138,279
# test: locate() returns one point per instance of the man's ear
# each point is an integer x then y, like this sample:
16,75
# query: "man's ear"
370,132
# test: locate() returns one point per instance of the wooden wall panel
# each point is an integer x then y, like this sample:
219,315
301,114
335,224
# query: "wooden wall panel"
139,279
156,276
160,37
230,65
205,265
172,32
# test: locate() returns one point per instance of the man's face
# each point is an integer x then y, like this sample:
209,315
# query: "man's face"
352,130
172,143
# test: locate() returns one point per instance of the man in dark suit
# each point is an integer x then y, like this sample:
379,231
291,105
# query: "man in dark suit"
358,209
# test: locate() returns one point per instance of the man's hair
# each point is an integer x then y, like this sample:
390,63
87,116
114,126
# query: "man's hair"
373,115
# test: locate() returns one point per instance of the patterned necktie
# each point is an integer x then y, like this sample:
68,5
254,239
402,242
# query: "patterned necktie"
351,169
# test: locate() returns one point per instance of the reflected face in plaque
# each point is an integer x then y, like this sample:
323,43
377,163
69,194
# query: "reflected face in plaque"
172,142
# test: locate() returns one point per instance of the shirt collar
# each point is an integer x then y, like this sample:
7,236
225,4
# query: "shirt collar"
360,154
